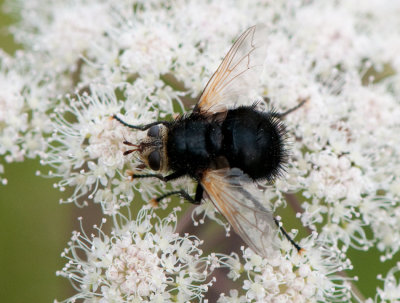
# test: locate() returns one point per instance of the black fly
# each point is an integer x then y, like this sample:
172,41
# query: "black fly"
222,147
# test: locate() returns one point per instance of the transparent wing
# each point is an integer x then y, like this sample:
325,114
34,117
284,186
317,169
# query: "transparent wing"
238,73
234,194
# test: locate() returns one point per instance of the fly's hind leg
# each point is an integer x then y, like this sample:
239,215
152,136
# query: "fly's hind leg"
282,115
289,238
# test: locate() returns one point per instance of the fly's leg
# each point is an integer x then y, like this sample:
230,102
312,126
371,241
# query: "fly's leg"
284,232
282,115
140,127
170,177
184,194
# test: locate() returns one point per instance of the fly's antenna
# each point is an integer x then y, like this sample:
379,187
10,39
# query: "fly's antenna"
138,147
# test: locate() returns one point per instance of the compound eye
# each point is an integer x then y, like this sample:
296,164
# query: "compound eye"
154,131
154,160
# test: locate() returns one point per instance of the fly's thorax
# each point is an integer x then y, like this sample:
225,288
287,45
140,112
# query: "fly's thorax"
153,148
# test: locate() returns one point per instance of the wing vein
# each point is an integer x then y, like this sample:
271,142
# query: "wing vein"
237,74
238,199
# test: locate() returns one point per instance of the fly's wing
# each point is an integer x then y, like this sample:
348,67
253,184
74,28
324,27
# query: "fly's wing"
233,193
238,73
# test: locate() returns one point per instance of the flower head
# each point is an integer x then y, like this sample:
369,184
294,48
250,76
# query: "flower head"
307,276
142,260
391,287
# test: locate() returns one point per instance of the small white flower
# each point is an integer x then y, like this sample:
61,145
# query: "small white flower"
391,287
232,298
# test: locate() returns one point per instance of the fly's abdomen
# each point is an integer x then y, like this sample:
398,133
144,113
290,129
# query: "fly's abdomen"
254,142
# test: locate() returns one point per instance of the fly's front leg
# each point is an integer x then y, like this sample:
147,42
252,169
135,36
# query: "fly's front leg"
140,127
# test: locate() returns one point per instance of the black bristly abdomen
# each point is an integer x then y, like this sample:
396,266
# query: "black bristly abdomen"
248,139
254,142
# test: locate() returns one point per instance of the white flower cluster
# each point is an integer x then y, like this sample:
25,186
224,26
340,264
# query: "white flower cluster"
86,60
87,152
345,158
25,96
306,276
144,260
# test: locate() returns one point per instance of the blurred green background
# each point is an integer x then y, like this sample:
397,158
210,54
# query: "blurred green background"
35,229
